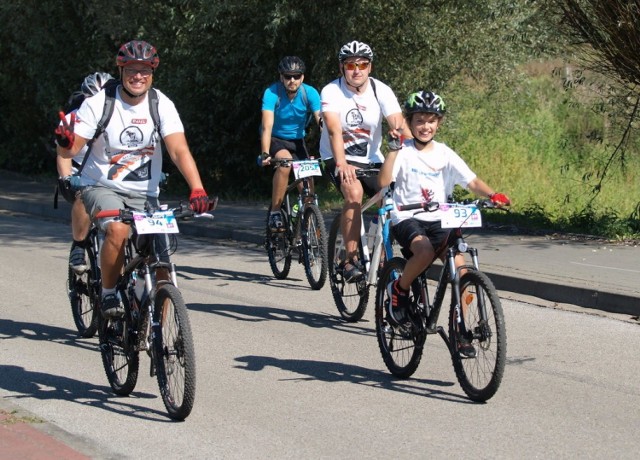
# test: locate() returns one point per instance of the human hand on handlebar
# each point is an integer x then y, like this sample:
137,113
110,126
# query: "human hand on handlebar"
200,201
500,199
64,132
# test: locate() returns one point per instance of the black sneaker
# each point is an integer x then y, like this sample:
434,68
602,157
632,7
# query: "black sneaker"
398,305
465,348
77,261
275,222
111,306
351,272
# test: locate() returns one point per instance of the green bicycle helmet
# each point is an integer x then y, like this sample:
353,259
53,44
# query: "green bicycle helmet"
424,102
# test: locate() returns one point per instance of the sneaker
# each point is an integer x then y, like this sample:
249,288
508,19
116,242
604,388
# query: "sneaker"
275,222
465,348
351,272
398,305
77,261
111,306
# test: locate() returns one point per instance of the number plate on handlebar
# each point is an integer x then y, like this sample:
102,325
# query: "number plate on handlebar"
306,168
159,222
460,215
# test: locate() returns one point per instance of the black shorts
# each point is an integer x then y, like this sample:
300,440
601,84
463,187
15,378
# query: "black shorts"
296,147
407,230
369,184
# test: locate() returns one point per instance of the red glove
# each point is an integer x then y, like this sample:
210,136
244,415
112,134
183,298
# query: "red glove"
199,201
64,132
500,199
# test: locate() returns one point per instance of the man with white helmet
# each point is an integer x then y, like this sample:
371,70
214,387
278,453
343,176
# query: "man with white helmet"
352,109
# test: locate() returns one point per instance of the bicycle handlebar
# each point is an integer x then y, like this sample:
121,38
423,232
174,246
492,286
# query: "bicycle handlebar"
431,206
181,212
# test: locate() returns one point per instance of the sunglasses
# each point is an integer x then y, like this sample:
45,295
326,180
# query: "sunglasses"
132,72
297,76
353,65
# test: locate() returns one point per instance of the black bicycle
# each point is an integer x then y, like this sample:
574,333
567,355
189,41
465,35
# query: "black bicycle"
304,231
156,318
475,312
84,287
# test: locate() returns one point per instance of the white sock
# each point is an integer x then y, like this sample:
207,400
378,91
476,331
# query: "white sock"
106,292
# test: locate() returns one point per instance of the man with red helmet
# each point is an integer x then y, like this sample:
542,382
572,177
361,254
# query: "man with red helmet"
125,163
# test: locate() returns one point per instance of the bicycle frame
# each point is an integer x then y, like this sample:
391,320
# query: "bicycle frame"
382,240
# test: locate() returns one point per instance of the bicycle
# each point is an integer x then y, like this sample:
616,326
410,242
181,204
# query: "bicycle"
475,314
352,296
304,229
156,318
84,287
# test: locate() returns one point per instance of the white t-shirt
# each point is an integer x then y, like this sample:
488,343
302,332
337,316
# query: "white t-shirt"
426,176
361,118
128,155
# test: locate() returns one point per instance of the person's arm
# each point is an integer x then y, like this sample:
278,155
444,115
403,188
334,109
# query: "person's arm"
346,172
318,115
479,187
180,154
267,127
63,165
396,124
385,176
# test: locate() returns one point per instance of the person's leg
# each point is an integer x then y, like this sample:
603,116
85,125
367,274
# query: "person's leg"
351,221
79,220
280,180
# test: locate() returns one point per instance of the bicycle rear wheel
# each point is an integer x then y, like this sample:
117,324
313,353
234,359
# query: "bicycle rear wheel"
174,352
278,246
481,375
314,247
351,297
120,359
401,346
82,297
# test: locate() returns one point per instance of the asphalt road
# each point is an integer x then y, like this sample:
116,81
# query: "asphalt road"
280,376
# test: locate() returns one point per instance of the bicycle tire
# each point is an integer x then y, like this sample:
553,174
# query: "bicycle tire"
81,290
278,246
314,247
174,352
401,347
480,377
120,358
350,298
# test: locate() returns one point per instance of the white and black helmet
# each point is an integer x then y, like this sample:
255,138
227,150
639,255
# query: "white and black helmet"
355,49
93,83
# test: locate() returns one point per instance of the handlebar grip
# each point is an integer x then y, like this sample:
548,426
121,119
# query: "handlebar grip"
428,206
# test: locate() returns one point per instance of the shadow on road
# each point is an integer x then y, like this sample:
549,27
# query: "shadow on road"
10,329
258,314
338,372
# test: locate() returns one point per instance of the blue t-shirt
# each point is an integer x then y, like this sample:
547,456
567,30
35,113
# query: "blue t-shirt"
290,117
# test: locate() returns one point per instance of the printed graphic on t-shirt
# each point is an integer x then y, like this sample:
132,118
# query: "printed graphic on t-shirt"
131,166
132,137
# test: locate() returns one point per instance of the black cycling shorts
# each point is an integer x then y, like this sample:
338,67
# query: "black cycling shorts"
296,147
369,184
407,230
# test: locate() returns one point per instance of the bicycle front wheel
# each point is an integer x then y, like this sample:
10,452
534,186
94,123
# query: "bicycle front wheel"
118,349
479,375
278,246
314,247
82,297
174,352
401,346
351,296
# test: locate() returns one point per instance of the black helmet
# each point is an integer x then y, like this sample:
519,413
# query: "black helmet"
355,49
424,102
291,64
138,51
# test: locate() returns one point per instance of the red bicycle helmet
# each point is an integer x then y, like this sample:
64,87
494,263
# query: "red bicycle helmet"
138,51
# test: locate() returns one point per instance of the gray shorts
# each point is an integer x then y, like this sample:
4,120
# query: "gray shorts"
98,198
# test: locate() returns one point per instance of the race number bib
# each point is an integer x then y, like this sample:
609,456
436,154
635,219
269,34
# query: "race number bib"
460,215
159,222
306,168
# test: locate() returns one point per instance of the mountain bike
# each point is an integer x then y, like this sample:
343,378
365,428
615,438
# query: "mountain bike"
155,318
83,288
475,311
351,296
304,230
